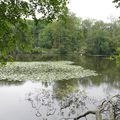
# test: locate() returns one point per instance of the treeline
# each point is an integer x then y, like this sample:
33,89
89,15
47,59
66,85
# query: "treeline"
74,35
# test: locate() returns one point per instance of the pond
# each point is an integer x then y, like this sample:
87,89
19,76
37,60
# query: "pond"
60,99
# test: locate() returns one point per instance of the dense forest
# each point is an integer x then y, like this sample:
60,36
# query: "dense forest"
72,35
47,68
57,31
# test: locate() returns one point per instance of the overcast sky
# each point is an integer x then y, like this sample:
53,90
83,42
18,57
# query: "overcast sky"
95,9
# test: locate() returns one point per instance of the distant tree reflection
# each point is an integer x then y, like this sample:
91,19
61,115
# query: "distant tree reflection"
63,101
10,83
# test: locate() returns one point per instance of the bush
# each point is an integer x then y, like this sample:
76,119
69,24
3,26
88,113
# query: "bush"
37,50
62,50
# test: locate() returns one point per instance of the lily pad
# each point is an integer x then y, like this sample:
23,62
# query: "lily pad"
43,71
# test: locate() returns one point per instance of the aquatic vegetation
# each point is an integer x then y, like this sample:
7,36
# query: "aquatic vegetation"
43,71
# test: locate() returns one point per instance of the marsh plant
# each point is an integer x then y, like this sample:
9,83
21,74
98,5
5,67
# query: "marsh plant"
43,71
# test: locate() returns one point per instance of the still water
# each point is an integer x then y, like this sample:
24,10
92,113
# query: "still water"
60,99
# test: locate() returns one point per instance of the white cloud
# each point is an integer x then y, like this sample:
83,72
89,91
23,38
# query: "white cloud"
96,9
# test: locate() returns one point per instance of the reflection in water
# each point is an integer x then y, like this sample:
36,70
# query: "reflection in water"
68,99
63,88
65,100
46,104
100,80
40,57
117,109
108,71
60,99
10,83
41,99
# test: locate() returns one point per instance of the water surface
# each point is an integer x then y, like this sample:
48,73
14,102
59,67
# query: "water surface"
60,99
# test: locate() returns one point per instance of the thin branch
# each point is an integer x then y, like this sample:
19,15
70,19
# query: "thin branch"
100,109
85,114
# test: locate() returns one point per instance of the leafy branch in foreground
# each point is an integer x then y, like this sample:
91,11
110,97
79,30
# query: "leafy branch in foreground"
118,3
13,14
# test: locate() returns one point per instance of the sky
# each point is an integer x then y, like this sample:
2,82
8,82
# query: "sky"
94,9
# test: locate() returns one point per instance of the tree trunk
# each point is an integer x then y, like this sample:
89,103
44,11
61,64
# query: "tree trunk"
98,115
111,112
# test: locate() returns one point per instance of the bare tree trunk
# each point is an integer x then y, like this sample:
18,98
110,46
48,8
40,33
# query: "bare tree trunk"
98,115
111,112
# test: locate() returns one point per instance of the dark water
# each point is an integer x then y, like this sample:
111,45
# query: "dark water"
60,99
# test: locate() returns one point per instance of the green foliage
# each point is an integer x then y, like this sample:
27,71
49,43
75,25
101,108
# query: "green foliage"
43,71
68,35
76,36
36,50
101,38
62,50
118,51
117,57
118,3
14,30
62,35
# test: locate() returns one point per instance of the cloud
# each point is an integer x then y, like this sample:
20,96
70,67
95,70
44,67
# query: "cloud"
96,9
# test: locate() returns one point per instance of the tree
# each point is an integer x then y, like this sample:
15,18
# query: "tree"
98,40
63,35
118,3
13,14
101,38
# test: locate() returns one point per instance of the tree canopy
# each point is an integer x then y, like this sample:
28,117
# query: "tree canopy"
13,14
118,2
74,35
18,34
